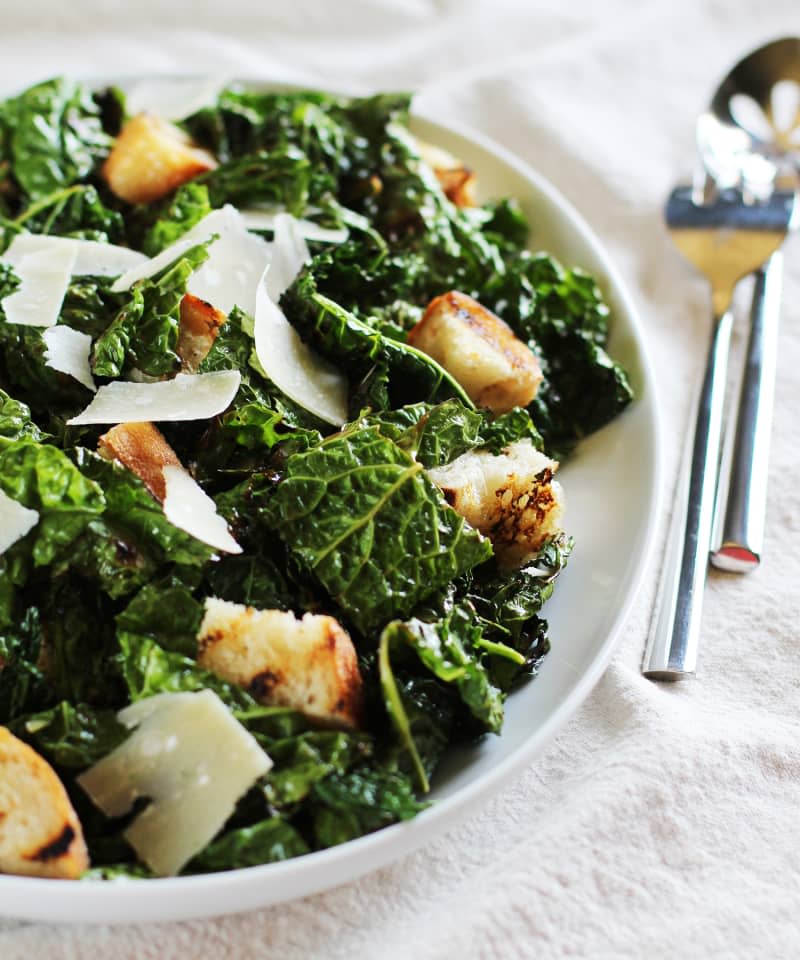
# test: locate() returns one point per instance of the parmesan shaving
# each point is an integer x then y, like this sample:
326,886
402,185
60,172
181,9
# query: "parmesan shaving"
188,507
15,521
263,218
302,375
92,258
44,277
173,98
230,275
187,397
192,759
68,352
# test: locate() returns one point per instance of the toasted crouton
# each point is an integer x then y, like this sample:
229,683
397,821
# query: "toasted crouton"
199,326
457,180
308,664
150,158
511,498
40,834
142,448
495,367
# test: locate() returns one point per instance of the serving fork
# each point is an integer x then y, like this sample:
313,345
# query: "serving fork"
726,238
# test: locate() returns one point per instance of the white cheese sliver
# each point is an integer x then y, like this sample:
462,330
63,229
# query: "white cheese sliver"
192,758
15,521
188,506
196,396
148,268
173,98
302,375
263,218
230,275
44,277
92,258
235,263
68,352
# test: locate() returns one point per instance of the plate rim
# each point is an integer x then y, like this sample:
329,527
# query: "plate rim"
136,901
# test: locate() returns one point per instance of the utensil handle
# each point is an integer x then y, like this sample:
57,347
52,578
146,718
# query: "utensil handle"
739,538
675,632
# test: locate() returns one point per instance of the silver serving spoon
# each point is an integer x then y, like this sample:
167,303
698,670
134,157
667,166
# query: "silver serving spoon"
749,140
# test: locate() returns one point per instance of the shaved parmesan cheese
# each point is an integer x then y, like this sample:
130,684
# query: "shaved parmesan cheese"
92,258
150,267
235,263
44,278
173,98
196,396
192,759
230,275
68,352
188,507
15,521
302,375
289,255
263,218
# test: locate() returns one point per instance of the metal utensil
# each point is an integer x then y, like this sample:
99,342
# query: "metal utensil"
749,139
726,239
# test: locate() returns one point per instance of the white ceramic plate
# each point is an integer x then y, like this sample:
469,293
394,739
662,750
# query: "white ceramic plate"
612,485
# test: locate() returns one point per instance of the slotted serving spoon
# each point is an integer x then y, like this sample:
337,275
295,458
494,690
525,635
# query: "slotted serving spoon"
726,239
749,140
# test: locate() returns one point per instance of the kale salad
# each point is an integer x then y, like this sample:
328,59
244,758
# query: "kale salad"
281,407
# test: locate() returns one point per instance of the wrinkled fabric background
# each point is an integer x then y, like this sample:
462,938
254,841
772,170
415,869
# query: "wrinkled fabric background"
663,821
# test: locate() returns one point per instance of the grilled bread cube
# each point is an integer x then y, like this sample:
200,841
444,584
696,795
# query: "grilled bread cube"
511,498
496,368
142,448
150,158
40,834
308,664
457,180
199,325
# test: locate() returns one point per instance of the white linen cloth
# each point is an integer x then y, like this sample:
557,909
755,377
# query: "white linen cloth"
663,820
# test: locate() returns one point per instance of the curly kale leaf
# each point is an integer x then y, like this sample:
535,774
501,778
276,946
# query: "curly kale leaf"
359,802
405,374
265,842
362,517
43,478
508,605
451,650
185,208
71,736
54,137
304,760
16,422
144,334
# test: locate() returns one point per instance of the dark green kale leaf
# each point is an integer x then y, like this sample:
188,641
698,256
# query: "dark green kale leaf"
405,374
89,305
133,540
260,416
304,760
185,208
23,686
54,137
362,517
144,334
265,842
43,478
507,604
71,736
76,211
16,422
168,614
366,799
451,650
283,177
